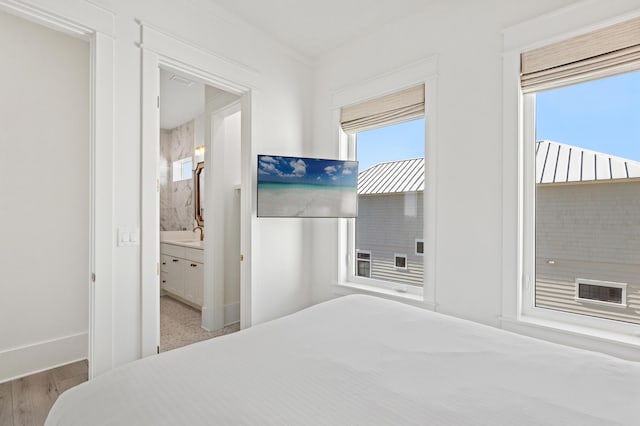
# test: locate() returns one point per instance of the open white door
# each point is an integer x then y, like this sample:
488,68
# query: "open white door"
100,303
150,225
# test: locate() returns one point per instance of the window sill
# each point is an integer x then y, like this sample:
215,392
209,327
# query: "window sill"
416,298
625,346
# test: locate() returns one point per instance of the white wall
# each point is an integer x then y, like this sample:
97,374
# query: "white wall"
232,211
281,105
44,187
282,93
466,38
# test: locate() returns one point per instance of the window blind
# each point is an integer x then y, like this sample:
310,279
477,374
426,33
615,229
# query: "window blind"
399,106
601,53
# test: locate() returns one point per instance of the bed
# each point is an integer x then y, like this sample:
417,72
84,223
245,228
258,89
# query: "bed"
361,360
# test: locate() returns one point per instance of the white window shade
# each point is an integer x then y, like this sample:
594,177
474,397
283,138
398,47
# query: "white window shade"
400,106
602,53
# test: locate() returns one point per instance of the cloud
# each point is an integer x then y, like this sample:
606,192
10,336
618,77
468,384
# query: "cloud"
330,170
268,159
299,167
268,168
334,177
346,171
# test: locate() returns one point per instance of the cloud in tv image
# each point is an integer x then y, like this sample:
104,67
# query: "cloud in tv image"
306,187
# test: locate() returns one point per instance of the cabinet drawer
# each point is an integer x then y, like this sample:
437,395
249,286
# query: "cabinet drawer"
164,261
163,280
172,250
194,255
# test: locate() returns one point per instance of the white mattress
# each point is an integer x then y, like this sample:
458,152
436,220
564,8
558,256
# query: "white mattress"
360,360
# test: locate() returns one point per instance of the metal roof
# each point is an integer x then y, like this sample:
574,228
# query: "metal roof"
561,163
555,163
392,177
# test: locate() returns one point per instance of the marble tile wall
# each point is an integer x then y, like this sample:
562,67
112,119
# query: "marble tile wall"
176,198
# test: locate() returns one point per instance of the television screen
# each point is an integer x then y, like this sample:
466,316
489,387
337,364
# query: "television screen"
306,187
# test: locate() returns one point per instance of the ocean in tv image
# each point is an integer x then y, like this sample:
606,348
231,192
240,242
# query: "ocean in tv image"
306,187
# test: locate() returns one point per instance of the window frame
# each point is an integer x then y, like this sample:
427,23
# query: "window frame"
623,339
349,234
357,260
423,71
182,162
401,256
527,287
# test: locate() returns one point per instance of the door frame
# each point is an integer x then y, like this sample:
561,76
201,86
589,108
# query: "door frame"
159,49
95,25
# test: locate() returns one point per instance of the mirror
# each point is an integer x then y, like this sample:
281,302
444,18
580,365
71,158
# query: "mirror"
198,193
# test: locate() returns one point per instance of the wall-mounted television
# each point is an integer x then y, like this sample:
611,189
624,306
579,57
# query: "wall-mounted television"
306,187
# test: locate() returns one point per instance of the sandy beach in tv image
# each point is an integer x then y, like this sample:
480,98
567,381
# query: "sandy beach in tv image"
306,187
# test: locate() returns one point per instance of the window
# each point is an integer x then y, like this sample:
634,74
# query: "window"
390,199
401,261
581,171
419,247
363,263
389,146
183,169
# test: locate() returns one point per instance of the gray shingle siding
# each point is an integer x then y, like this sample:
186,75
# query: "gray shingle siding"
592,231
388,224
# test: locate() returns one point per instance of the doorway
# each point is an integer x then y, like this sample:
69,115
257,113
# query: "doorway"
95,341
199,180
161,50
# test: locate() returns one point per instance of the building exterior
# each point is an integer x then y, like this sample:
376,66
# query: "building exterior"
587,232
587,229
389,227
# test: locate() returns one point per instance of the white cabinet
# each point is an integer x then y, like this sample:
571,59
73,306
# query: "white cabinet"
193,283
164,271
175,275
182,272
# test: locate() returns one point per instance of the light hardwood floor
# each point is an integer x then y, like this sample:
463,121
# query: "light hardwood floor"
27,401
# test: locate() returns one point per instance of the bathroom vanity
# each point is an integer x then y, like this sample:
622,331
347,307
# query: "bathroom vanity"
182,270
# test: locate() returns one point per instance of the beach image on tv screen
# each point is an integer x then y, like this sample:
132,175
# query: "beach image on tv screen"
306,187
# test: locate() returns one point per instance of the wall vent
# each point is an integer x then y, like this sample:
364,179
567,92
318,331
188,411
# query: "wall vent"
601,292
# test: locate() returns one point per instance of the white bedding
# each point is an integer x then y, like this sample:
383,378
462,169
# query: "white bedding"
360,360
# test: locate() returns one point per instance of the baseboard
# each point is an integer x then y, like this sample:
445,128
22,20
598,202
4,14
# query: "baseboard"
26,360
231,313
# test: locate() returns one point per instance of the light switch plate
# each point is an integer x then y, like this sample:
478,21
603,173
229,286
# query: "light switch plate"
128,237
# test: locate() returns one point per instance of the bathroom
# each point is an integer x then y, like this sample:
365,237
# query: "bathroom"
189,111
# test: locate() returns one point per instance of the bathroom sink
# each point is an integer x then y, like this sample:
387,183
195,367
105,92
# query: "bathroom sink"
188,243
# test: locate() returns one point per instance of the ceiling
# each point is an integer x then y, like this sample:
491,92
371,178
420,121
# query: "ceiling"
179,101
302,24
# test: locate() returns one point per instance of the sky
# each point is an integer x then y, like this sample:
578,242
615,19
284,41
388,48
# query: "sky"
306,171
399,142
601,115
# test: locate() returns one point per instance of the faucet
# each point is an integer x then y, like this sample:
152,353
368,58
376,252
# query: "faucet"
201,231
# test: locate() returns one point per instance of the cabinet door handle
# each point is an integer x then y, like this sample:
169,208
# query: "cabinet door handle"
193,265
164,281
164,263
175,260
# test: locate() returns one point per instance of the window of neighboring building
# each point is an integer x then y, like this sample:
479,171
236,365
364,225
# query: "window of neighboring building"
363,263
581,180
400,261
183,169
419,247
